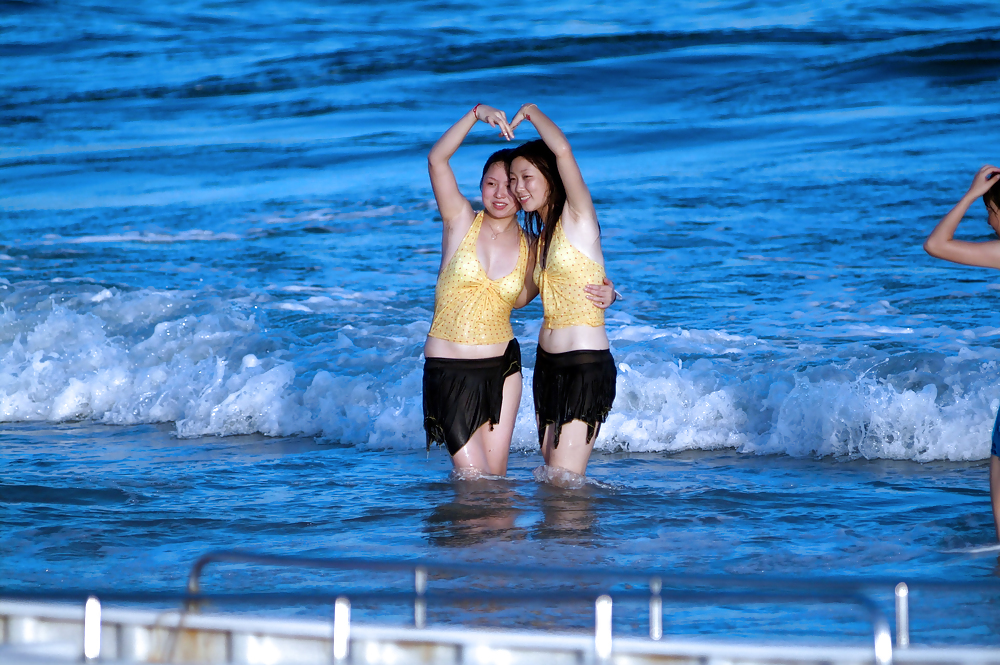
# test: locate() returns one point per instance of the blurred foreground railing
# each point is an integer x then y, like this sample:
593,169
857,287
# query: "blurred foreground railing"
602,588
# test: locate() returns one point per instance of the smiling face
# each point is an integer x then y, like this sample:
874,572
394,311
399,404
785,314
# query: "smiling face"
529,185
495,188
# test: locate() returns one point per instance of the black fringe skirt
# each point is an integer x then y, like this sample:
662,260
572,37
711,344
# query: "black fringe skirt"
576,385
460,396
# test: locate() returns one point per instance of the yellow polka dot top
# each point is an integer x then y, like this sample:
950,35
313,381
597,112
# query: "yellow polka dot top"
469,307
561,284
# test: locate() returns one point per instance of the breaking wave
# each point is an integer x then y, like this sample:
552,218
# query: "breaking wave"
214,367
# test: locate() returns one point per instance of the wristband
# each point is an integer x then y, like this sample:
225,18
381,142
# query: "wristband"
474,109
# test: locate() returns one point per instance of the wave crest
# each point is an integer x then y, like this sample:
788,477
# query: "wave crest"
214,368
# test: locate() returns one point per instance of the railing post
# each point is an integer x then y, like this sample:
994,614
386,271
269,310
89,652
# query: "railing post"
420,603
341,630
194,577
602,628
655,609
902,616
92,629
883,641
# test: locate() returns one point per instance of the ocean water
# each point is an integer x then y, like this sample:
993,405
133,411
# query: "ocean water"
218,254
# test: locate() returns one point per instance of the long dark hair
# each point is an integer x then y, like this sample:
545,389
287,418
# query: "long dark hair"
502,156
543,159
992,195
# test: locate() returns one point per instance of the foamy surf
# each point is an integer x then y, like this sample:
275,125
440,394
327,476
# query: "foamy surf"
554,475
471,475
980,549
215,367
566,479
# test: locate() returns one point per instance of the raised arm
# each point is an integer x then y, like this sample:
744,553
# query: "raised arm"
449,199
941,242
577,195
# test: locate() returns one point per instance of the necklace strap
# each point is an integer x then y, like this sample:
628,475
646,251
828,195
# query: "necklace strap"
495,232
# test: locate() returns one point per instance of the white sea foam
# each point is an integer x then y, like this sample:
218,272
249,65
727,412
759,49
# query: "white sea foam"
980,549
554,475
192,235
76,350
329,214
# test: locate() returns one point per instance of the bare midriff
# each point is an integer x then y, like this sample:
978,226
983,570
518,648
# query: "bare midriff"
436,347
573,338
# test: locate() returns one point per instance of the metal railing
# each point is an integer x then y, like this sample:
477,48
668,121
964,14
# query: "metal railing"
602,594
680,588
603,603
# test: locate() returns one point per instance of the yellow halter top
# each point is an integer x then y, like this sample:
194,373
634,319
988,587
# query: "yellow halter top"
469,307
561,284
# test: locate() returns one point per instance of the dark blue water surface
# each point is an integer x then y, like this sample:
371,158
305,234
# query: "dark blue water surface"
219,249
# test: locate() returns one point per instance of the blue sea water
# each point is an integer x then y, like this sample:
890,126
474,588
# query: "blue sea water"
219,247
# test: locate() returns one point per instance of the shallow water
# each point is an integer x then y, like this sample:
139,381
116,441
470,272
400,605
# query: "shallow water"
218,261
96,510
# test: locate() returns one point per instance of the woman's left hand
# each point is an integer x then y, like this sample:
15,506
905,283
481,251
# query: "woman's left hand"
602,295
521,114
496,119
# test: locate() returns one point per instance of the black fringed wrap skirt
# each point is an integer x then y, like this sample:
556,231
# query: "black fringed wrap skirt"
460,396
576,385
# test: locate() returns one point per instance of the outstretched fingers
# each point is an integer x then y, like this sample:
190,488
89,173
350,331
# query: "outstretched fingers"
522,115
518,119
495,118
498,120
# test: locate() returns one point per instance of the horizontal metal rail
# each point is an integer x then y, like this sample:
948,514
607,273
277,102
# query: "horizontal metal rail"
622,575
359,595
342,599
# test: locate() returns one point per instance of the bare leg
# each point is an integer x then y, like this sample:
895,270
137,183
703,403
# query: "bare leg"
548,440
543,449
574,450
472,457
995,491
496,442
486,450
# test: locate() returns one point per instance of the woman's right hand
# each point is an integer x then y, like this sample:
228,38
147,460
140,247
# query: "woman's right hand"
984,181
602,295
494,118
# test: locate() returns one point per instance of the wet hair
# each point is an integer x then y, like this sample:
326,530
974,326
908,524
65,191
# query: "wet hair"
501,156
992,196
543,159
991,199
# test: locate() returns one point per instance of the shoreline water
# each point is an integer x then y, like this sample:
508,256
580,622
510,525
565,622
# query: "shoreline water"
135,517
218,261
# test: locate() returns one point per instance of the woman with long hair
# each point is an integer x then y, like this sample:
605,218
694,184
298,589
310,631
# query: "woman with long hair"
574,379
941,244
